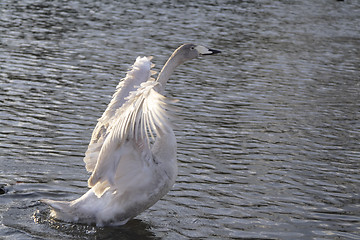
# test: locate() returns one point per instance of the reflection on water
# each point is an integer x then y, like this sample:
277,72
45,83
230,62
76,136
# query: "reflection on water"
268,131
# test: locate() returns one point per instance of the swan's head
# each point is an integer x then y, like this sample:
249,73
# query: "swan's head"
183,53
190,51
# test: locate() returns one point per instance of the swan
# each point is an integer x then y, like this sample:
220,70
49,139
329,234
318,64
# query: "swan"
132,151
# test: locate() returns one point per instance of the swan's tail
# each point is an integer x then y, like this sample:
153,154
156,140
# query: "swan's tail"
63,210
89,209
81,210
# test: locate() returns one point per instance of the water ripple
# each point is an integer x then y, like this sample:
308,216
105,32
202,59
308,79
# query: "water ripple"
268,131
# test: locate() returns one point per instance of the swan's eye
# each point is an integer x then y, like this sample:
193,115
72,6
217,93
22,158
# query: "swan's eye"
192,48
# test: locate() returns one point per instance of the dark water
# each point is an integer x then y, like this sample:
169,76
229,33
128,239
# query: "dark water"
268,131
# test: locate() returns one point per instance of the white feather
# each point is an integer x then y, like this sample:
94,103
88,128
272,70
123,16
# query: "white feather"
127,138
139,73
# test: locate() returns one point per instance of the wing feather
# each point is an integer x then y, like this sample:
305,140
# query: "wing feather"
139,73
144,115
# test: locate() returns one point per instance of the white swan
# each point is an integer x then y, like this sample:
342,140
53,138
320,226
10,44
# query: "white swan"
129,173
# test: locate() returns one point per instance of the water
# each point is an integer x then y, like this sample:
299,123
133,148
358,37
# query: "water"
268,131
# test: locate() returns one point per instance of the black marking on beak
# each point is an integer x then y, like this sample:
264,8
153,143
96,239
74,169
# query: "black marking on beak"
213,51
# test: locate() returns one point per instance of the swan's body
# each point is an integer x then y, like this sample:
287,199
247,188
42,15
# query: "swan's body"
129,174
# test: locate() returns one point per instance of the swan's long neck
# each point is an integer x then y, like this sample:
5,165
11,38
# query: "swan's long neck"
169,67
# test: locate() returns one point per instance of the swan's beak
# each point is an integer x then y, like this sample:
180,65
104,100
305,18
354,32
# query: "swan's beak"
211,52
206,51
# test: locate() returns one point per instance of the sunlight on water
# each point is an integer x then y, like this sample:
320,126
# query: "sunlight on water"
268,131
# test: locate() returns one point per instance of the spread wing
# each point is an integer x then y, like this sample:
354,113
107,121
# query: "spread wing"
120,147
139,73
126,152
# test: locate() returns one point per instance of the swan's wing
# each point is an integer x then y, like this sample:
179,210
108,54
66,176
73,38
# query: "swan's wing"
139,73
126,149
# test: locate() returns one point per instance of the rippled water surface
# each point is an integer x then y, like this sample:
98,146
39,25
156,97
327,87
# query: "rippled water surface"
268,131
